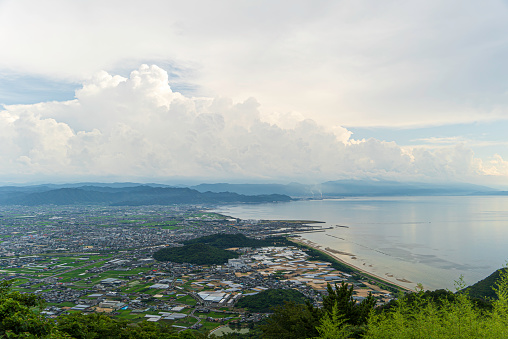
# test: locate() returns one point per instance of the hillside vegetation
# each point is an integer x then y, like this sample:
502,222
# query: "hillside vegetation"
266,301
126,196
237,240
485,289
198,254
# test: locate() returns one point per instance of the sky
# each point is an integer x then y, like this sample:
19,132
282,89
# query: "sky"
244,91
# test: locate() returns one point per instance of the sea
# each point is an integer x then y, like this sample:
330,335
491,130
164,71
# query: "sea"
436,241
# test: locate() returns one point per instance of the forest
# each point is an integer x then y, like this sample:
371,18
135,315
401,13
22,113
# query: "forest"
238,240
197,254
268,300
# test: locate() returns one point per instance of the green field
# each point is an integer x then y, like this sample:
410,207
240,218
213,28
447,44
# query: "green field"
188,300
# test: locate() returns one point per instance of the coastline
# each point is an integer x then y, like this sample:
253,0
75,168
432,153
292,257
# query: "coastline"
319,248
426,240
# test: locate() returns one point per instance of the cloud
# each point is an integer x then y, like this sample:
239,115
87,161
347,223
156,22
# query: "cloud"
441,140
137,128
351,63
496,166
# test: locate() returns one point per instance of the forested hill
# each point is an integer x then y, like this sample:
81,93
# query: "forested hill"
237,240
484,289
126,196
210,249
197,254
266,301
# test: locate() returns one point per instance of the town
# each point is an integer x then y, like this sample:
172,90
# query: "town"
99,259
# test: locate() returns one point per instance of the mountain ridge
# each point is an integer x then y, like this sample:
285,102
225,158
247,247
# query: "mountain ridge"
129,196
352,188
132,194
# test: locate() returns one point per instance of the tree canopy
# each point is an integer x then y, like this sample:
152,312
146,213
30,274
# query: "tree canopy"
266,301
237,240
19,319
198,254
485,288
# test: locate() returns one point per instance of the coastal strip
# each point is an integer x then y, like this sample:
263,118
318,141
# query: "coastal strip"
353,267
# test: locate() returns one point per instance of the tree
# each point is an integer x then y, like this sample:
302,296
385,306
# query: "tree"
101,326
91,326
354,313
292,321
333,326
17,319
459,317
265,301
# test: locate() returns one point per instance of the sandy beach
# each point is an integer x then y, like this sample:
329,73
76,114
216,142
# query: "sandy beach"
409,285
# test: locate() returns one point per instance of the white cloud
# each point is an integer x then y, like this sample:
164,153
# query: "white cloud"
355,63
441,140
496,166
137,128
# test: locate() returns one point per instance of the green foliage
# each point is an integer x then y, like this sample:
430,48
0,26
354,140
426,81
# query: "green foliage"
198,254
340,317
457,318
148,330
236,240
342,297
17,319
426,320
437,297
501,289
91,326
485,289
333,325
266,301
254,333
101,326
292,321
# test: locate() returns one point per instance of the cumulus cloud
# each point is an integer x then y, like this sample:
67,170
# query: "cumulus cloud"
496,166
137,128
352,63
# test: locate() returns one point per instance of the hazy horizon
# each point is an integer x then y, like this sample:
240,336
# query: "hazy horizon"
332,188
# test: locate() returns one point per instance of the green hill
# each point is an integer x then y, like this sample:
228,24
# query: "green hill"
237,240
265,301
126,196
484,289
198,254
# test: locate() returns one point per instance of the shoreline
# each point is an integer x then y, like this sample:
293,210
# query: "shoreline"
319,248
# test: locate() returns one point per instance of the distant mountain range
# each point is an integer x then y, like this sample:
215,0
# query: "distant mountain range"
353,188
124,196
158,194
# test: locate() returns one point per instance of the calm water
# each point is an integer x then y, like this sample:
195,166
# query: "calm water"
428,240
